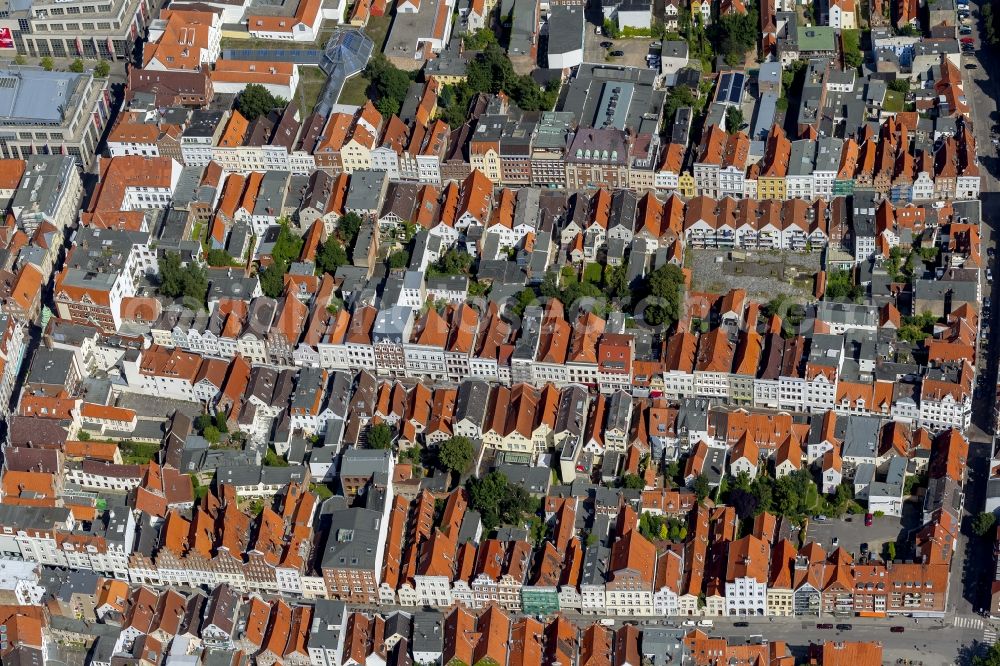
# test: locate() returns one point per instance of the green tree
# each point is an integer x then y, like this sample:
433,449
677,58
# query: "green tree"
220,422
76,66
479,40
679,96
616,281
549,288
47,63
272,459
216,257
399,259
212,434
665,288
498,501
380,436
734,119
176,280
453,103
330,256
455,454
102,69
255,101
202,422
525,297
700,487
452,262
348,227
287,246
272,279
992,655
389,84
851,42
492,72
984,523
734,35
840,286
633,482
890,551
900,85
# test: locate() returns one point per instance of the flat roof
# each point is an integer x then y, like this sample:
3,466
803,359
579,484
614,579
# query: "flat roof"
35,96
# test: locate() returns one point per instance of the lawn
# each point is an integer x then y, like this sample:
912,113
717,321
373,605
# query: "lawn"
378,29
592,273
355,91
311,82
893,101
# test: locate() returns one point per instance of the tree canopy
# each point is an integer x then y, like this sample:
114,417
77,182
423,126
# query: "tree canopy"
452,262
380,436
216,257
499,501
851,41
256,101
735,34
840,286
734,119
664,288
632,482
176,280
984,523
455,454
330,256
389,84
491,71
348,228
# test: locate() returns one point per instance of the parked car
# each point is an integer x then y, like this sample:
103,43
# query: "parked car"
972,65
824,625
689,623
869,519
864,547
706,623
845,627
897,629
989,275
835,542
607,45
991,252
967,40
741,624
965,30
617,54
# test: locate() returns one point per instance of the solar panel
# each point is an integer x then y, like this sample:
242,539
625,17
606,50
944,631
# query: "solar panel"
736,88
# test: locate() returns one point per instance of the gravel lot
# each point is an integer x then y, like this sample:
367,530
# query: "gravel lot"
764,274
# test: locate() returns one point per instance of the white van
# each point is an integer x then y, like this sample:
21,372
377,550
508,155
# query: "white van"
706,623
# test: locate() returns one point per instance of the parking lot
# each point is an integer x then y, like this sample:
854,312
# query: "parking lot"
851,531
635,50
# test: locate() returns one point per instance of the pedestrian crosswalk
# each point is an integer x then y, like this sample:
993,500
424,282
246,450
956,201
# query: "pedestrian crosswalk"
968,622
990,636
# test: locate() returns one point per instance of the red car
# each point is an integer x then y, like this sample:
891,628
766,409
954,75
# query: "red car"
868,519
966,40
